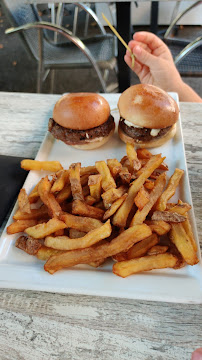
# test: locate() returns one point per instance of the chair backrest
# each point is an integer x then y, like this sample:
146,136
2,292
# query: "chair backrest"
19,14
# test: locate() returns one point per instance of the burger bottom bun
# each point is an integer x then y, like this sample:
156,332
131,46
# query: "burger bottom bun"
95,143
147,144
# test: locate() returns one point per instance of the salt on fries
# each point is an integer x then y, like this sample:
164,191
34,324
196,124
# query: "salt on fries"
113,209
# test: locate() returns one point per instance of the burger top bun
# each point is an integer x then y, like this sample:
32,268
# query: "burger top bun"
148,106
81,111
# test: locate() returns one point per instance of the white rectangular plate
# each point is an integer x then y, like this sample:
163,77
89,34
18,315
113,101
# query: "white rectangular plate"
18,270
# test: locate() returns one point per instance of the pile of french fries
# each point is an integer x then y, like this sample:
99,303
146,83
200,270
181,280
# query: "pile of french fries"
113,209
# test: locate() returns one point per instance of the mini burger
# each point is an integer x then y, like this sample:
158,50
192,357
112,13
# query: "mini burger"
148,116
82,120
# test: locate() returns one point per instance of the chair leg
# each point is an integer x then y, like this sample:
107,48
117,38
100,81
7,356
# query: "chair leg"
52,81
39,78
40,62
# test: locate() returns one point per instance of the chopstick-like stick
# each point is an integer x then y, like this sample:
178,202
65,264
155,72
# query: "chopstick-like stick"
120,38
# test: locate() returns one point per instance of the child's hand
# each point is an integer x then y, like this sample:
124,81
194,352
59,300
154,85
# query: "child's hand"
153,61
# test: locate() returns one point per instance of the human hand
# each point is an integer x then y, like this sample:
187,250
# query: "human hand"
197,354
153,62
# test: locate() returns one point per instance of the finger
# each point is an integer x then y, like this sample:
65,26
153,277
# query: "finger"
144,57
137,66
148,38
197,354
133,43
144,72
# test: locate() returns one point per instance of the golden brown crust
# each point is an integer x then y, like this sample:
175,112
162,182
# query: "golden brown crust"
81,111
95,143
148,106
147,144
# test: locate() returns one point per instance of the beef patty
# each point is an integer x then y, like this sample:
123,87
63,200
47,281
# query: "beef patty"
141,133
73,137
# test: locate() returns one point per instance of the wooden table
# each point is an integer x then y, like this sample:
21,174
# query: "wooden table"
48,326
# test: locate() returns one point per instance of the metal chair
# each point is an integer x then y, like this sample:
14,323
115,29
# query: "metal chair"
187,54
97,52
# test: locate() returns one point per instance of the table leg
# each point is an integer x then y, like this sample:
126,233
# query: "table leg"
124,29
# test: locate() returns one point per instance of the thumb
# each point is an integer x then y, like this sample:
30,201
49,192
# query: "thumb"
144,56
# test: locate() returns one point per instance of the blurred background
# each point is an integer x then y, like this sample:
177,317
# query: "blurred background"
18,70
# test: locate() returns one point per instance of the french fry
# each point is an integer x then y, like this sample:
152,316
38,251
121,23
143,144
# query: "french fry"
139,249
80,223
132,156
144,154
45,252
89,200
168,216
183,243
126,164
187,227
66,192
34,195
180,208
69,228
83,209
41,230
88,170
142,198
59,232
145,263
61,181
74,233
86,191
35,214
121,215
170,190
48,198
23,201
97,263
125,175
112,194
52,166
160,227
74,178
107,179
140,215
28,244
157,249
114,207
162,166
91,238
100,205
95,185
149,184
114,166
20,226
121,243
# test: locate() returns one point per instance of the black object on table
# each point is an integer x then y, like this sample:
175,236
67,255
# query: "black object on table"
12,178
